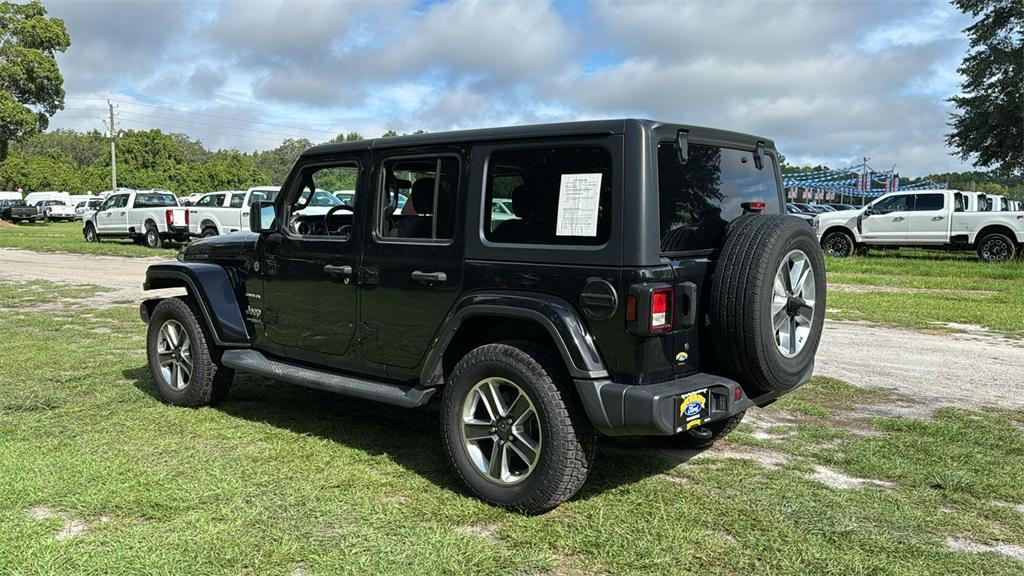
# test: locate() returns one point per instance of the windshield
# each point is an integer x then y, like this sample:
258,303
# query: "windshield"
698,198
153,200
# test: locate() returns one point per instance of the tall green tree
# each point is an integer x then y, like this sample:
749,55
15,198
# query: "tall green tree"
989,124
31,86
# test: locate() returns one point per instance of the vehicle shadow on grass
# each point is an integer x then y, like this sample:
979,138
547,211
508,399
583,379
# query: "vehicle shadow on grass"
409,437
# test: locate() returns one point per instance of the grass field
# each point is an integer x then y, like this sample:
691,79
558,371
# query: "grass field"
98,476
928,289
67,237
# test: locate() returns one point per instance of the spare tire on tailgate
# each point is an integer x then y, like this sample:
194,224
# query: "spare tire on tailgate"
768,302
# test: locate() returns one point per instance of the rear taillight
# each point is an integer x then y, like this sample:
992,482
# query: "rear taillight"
661,310
170,217
49,210
649,308
186,218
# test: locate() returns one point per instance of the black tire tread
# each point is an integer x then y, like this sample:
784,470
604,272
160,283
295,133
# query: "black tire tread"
579,440
210,382
1009,242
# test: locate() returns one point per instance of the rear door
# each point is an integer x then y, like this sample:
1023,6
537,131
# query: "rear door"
411,272
698,199
929,219
888,221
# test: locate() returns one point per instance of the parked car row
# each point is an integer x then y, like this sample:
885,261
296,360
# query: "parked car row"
44,206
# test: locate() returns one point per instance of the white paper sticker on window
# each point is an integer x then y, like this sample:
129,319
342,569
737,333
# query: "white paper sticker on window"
578,201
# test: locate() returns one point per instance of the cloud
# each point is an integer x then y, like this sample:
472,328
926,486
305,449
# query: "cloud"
828,81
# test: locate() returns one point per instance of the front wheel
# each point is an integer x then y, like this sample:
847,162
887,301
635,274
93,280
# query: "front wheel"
515,437
996,247
182,361
837,244
90,234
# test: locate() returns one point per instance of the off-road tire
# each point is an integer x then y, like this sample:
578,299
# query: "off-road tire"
152,237
569,442
996,247
210,381
718,430
90,234
741,297
838,244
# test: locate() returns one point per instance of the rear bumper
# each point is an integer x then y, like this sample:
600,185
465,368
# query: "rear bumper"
653,409
179,233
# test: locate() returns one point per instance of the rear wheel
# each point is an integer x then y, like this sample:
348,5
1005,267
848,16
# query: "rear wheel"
208,231
183,363
152,237
514,436
837,244
996,247
768,302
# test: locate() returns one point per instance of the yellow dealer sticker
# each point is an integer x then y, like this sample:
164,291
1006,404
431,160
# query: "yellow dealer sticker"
693,407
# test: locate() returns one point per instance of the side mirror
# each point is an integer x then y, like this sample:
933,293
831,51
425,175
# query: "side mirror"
869,210
262,217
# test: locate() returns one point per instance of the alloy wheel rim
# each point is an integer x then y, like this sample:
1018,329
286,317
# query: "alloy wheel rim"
837,245
174,352
793,303
501,431
994,250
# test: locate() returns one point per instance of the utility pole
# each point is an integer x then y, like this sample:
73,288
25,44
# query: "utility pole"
113,149
867,181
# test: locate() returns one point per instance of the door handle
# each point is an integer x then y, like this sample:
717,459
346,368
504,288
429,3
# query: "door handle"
338,272
120,213
937,218
429,277
898,219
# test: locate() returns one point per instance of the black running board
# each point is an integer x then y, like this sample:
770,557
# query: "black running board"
253,362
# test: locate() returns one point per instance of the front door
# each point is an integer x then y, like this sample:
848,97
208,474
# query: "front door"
887,221
111,218
310,299
412,268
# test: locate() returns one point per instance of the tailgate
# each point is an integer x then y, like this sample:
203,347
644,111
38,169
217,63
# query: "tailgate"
179,219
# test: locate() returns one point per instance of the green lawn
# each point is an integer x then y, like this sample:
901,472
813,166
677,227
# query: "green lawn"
67,237
927,289
99,476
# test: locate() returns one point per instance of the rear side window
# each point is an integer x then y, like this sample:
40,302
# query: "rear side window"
154,200
418,198
237,200
698,198
559,196
928,202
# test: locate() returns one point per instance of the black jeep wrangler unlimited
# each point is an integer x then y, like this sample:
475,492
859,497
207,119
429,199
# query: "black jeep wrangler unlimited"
626,277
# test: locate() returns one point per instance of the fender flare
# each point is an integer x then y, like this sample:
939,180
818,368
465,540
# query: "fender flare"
211,286
570,335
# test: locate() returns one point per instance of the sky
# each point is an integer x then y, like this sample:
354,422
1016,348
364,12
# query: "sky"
829,81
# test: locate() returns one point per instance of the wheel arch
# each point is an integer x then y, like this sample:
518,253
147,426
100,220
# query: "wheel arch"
485,318
212,288
997,229
841,228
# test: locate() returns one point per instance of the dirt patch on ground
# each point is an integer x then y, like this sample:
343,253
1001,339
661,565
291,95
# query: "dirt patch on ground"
488,532
71,529
964,545
869,288
840,481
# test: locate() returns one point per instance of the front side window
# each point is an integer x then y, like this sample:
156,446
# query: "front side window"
928,202
316,212
418,198
558,196
891,204
700,196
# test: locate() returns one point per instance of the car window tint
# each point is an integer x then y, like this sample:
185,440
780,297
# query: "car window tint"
418,198
154,200
316,212
891,204
550,195
237,200
928,202
699,197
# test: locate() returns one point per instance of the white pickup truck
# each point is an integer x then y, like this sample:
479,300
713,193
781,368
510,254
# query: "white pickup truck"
928,218
225,212
147,216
